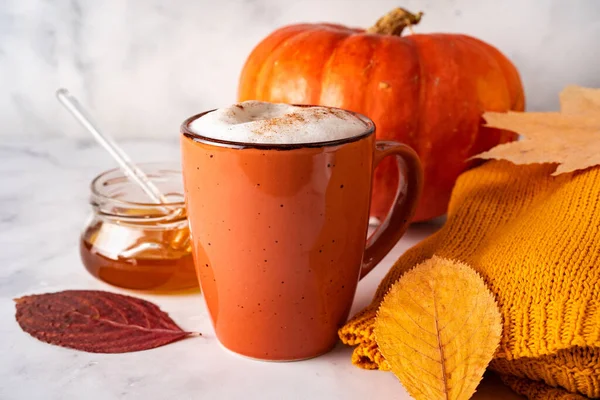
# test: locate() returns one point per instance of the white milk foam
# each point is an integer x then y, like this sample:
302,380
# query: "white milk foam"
277,123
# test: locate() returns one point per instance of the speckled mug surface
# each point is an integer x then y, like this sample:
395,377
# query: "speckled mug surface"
280,235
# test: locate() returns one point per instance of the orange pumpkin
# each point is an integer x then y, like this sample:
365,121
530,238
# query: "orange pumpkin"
425,90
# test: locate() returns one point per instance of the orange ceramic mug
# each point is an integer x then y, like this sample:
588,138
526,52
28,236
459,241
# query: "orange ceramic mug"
280,235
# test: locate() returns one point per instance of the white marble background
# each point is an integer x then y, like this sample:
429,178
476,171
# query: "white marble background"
142,66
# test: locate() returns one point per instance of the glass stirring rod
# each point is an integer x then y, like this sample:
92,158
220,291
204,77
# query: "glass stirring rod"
131,170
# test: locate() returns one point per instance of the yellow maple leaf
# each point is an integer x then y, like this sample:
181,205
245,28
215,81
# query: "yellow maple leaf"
579,100
570,138
438,328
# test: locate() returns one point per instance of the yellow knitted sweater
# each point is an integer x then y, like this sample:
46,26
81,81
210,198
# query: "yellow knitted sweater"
535,239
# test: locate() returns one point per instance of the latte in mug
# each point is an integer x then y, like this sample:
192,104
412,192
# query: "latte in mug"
277,198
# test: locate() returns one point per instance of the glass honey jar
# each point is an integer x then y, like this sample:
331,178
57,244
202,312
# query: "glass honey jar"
134,244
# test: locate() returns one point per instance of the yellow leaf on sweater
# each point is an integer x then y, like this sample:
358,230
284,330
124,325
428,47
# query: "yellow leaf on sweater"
438,328
570,138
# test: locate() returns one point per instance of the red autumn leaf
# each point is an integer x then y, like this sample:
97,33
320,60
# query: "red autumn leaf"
96,321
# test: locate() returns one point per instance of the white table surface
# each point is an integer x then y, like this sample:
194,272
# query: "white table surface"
43,206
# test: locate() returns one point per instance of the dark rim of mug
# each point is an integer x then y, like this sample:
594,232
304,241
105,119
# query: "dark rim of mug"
185,130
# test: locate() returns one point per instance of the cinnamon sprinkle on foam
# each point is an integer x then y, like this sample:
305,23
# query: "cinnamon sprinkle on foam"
262,122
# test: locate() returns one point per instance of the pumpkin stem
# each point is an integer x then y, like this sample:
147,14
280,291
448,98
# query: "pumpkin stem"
394,22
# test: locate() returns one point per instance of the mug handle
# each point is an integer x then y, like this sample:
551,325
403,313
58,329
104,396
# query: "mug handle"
410,185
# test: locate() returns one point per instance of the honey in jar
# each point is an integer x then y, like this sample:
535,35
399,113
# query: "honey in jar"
135,244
